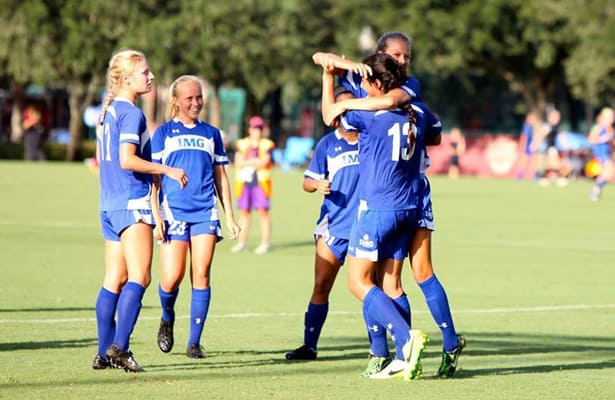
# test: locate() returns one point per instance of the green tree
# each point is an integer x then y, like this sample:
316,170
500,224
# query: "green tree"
68,43
25,52
518,41
590,68
262,46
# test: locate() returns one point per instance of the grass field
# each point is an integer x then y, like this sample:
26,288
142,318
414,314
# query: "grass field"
528,271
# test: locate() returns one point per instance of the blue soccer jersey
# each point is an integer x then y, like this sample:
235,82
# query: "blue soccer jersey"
338,161
122,189
602,150
196,149
527,131
390,166
431,125
352,82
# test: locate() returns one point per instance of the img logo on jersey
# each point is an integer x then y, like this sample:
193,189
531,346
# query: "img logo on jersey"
193,142
186,141
351,158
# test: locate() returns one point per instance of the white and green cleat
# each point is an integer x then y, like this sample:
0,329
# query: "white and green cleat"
395,370
413,352
375,365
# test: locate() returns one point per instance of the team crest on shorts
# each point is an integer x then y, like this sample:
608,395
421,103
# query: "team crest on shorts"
365,241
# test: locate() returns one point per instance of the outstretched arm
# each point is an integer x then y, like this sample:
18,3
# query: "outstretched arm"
312,185
332,61
391,99
130,160
328,99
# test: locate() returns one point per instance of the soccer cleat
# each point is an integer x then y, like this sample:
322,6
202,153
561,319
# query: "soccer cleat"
304,352
413,351
165,336
239,248
195,351
122,359
262,249
450,359
595,193
101,362
395,370
375,365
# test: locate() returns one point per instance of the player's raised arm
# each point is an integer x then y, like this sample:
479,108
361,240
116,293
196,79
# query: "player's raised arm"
332,61
327,99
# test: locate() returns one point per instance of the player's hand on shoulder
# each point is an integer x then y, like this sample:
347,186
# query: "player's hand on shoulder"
178,174
362,69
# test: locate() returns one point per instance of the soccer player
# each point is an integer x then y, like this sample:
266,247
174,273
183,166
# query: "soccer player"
253,164
191,216
387,213
457,147
397,45
555,165
334,173
527,145
124,154
601,138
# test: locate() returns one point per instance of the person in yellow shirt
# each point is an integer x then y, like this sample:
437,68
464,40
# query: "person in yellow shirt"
253,164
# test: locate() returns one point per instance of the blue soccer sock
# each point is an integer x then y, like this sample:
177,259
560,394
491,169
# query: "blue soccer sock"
377,334
199,307
382,309
403,306
440,311
167,302
314,320
105,319
600,182
128,308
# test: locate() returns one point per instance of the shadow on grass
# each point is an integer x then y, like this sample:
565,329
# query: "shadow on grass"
57,344
564,353
58,309
486,354
251,358
535,369
504,343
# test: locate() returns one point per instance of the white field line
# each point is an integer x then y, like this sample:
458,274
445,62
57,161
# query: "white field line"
511,310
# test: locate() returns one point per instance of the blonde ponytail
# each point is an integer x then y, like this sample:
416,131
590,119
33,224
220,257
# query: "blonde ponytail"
121,65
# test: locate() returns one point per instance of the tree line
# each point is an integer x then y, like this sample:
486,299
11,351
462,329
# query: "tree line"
535,52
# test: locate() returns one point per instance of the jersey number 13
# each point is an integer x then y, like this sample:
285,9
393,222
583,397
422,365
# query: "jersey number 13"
397,132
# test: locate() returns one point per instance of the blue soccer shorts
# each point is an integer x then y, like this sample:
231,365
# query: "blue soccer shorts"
183,231
114,222
378,235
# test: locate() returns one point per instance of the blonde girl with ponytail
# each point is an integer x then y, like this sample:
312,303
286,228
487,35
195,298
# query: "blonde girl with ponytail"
126,179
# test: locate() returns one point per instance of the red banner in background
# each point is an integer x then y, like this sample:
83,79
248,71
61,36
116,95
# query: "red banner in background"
486,155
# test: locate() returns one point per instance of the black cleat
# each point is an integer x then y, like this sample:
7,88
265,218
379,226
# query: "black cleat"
450,360
101,362
122,359
165,336
304,352
195,351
